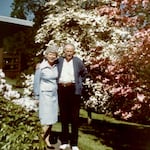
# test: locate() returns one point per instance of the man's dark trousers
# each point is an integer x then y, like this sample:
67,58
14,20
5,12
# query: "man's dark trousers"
69,105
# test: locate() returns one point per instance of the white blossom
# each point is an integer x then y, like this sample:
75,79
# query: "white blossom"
27,102
2,75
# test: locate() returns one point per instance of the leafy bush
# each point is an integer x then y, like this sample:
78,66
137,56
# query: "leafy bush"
19,129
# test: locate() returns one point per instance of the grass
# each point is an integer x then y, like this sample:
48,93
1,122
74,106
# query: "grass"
86,141
14,84
116,135
106,133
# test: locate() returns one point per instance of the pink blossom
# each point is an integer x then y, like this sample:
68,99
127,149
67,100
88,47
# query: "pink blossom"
136,106
94,66
105,80
140,97
126,115
118,77
110,68
117,112
116,90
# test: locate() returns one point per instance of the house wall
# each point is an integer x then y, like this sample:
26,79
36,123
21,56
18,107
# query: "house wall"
11,64
1,58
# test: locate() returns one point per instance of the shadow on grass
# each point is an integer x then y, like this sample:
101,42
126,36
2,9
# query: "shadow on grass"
118,136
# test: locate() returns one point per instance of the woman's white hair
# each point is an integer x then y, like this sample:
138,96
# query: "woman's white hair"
51,49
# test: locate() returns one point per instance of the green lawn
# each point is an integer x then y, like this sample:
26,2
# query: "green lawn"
15,84
105,133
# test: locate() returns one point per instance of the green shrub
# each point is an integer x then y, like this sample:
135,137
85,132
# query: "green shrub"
20,130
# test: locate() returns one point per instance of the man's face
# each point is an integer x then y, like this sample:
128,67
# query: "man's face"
69,52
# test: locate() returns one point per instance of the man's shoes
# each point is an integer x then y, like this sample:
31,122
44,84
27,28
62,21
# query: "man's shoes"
75,148
64,146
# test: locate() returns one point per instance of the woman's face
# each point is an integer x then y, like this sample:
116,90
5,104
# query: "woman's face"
51,57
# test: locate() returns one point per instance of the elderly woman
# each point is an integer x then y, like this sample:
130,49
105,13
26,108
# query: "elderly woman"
45,90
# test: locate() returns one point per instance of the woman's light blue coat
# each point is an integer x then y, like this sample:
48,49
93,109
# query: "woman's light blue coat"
45,89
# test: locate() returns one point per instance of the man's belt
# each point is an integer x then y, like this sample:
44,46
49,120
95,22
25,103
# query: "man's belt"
67,84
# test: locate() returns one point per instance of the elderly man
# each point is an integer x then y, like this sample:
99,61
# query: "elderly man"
71,73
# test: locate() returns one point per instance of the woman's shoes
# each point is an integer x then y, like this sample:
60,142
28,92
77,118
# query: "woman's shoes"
50,147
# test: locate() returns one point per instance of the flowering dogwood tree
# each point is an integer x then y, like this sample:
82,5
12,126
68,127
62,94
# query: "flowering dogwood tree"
110,38
69,22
